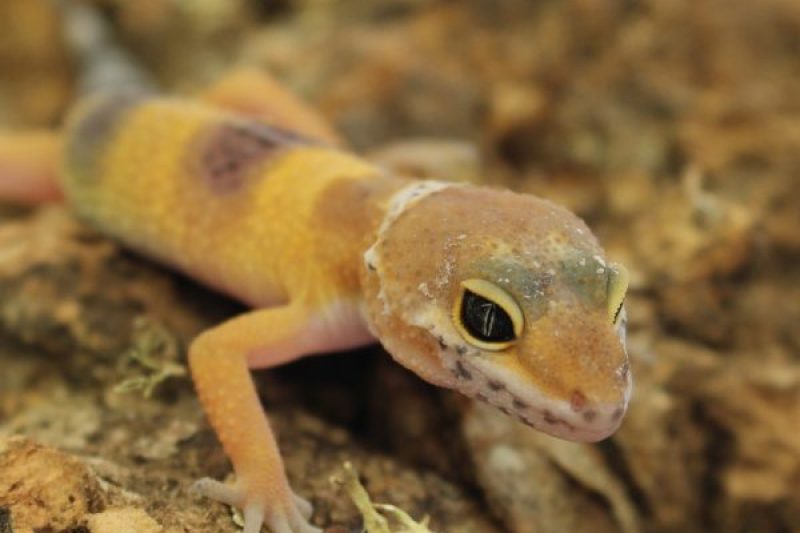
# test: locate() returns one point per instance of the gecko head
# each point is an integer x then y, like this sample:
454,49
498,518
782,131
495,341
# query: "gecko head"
508,299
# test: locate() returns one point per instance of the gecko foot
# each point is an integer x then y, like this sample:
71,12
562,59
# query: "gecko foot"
303,505
288,517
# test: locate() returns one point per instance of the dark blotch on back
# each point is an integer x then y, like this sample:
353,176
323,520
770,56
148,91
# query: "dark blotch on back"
95,130
229,151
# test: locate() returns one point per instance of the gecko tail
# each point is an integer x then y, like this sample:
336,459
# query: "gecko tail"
29,167
103,64
30,160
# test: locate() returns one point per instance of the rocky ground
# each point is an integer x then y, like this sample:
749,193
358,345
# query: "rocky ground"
673,128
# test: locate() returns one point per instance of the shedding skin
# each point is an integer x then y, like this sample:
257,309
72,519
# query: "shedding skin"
247,190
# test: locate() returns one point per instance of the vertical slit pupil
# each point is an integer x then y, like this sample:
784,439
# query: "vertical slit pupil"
485,320
617,312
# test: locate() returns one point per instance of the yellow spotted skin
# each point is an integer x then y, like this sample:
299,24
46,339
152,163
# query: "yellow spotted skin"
251,232
274,217
250,192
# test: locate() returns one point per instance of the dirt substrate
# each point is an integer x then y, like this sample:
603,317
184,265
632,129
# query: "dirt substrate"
673,128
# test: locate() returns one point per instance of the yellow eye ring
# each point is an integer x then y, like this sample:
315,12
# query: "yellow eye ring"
618,280
487,316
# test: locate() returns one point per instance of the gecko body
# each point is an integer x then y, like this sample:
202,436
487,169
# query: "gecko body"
504,297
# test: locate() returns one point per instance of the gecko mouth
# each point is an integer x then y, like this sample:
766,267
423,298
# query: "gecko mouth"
571,420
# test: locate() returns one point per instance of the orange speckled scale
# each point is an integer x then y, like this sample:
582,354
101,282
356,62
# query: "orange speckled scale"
228,200
504,297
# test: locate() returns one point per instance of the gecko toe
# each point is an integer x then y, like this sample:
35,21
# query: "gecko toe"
215,490
254,518
303,506
300,522
281,515
280,525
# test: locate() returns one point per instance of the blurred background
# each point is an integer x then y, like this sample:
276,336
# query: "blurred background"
672,127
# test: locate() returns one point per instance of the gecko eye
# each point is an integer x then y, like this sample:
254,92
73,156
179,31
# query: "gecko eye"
617,287
486,315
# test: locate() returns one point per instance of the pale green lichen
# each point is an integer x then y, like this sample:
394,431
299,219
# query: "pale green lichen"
155,350
399,521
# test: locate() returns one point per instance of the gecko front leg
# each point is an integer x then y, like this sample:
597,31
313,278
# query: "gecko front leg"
220,361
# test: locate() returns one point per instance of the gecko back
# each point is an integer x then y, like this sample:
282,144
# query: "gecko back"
215,194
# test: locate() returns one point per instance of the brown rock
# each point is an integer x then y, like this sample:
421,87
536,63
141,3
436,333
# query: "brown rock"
43,488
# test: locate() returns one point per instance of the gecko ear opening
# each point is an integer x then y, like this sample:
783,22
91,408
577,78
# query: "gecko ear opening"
487,316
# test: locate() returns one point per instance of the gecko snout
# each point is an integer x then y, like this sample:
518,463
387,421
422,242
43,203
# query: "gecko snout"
578,377
587,422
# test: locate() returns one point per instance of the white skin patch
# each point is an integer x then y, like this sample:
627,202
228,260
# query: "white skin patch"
398,204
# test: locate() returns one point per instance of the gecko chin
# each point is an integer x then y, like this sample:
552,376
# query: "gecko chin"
576,419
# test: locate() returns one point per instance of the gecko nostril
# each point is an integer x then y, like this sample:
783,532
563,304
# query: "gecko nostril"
577,401
617,414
